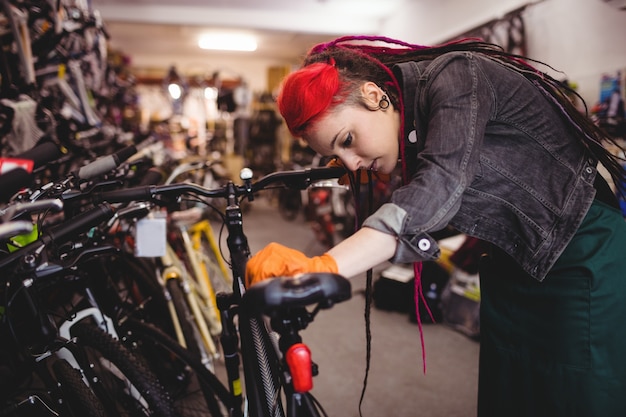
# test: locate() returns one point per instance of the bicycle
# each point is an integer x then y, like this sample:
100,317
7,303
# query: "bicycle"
262,388
190,269
56,330
46,277
277,369
199,268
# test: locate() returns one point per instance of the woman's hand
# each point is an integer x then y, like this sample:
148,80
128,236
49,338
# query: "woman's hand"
276,260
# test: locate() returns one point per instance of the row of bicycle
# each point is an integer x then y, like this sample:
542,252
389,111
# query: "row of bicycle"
117,299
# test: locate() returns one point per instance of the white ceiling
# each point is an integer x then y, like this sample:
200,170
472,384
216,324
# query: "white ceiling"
285,28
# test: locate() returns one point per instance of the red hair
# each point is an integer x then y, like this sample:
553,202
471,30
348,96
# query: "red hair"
307,94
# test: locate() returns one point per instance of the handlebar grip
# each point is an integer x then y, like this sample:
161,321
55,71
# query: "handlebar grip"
325,173
13,181
78,224
14,228
41,154
106,163
153,176
125,153
123,196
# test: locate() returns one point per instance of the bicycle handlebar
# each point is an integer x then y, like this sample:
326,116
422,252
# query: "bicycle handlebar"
64,232
19,208
14,228
106,163
41,154
292,179
80,223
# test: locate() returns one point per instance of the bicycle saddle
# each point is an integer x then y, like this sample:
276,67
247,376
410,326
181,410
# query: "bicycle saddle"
282,293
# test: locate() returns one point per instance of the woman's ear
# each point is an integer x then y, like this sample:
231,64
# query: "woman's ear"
372,94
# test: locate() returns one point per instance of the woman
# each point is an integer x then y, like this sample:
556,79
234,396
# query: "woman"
492,147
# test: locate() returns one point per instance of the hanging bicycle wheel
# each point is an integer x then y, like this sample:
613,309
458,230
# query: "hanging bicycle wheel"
185,317
77,396
194,389
121,380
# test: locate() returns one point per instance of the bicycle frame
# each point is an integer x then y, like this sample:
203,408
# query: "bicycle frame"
203,228
192,241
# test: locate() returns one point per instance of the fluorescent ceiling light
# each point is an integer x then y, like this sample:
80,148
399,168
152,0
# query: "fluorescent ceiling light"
227,42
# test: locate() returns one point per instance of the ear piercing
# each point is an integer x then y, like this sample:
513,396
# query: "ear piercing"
383,104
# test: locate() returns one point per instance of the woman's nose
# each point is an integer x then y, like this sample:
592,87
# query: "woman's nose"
352,162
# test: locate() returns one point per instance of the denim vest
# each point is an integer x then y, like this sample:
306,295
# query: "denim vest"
491,156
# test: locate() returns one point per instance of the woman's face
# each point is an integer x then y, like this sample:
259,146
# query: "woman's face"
361,138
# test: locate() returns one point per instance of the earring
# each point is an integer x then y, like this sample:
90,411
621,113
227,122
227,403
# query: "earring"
383,104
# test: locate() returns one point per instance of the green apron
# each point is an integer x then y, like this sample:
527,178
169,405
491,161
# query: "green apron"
557,348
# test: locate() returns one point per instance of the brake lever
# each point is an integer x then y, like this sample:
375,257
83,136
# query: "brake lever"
49,268
72,194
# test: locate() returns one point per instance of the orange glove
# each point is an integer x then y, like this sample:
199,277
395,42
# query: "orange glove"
361,174
276,260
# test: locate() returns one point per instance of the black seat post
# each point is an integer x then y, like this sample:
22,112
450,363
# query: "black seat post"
288,323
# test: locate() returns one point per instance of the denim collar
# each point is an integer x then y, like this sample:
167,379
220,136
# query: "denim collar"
407,74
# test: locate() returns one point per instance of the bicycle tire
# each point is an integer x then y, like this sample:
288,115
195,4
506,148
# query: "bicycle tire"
112,362
156,345
184,317
76,394
261,367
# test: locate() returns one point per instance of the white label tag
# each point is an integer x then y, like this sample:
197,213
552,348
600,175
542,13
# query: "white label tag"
151,237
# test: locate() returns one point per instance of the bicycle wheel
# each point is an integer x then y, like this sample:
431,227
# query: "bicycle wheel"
194,389
122,380
76,394
193,342
262,368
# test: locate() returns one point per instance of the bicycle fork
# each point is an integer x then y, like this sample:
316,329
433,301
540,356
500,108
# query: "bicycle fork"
175,270
230,344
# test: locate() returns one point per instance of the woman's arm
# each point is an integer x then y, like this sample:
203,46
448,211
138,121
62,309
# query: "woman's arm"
363,250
